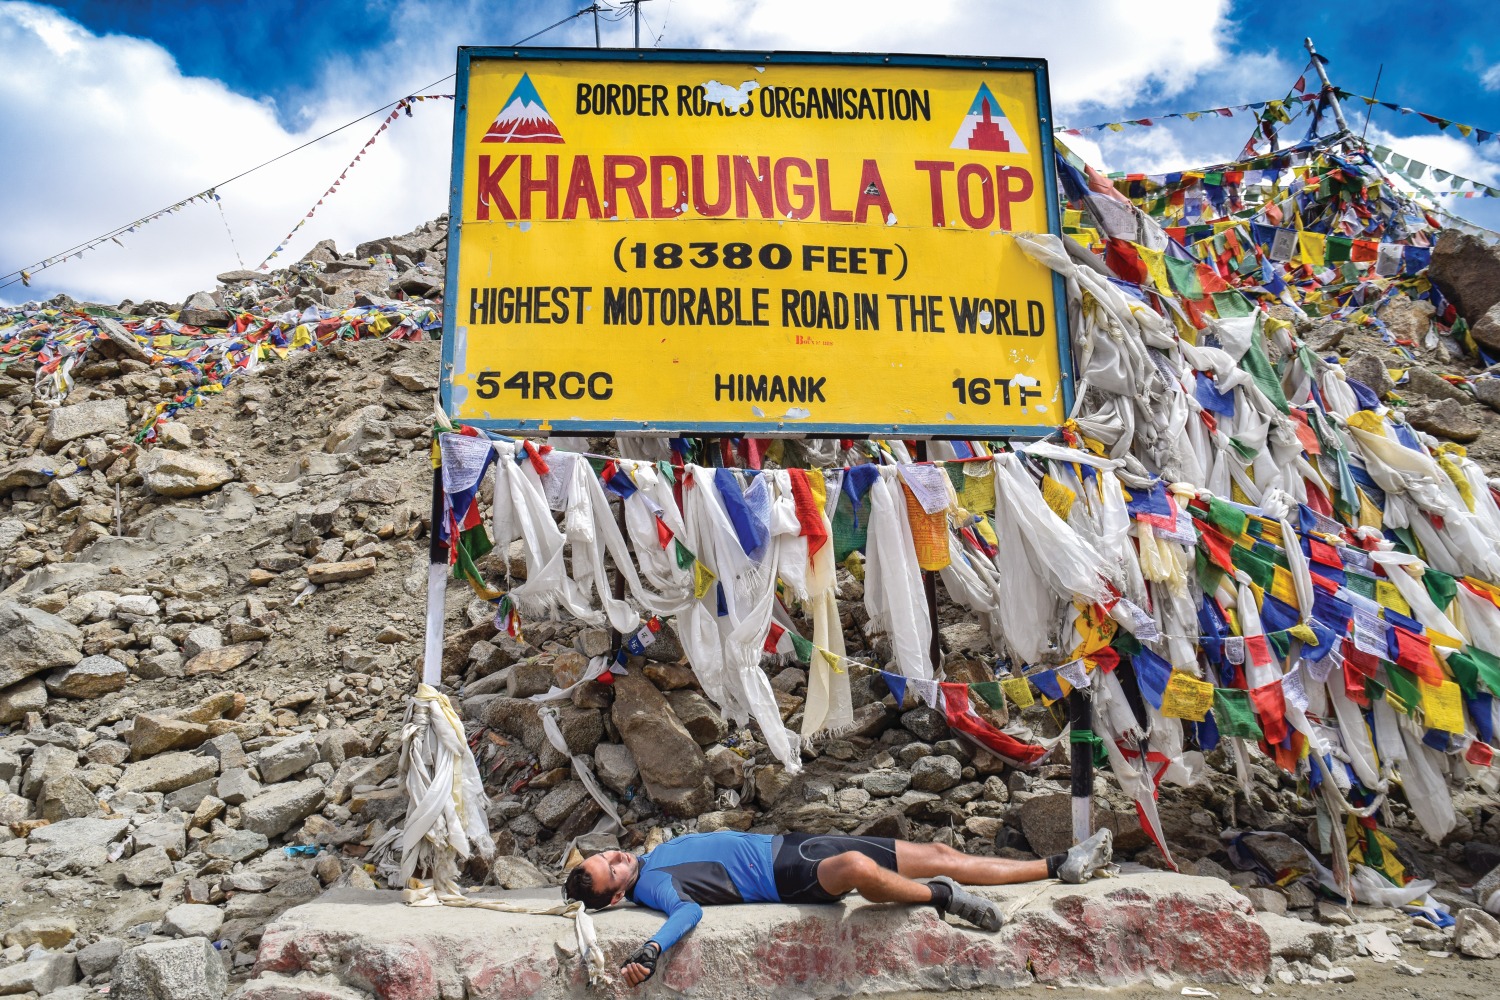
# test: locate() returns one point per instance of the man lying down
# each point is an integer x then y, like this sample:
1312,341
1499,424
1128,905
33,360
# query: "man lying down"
684,875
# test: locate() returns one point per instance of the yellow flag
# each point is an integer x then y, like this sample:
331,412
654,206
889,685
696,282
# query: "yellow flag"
1452,471
1283,588
1058,497
1186,697
1313,247
1368,421
703,579
831,659
1445,641
1156,264
1305,633
1389,597
1443,705
819,487
1370,516
1018,691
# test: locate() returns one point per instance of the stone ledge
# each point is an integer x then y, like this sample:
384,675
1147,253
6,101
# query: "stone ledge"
1109,933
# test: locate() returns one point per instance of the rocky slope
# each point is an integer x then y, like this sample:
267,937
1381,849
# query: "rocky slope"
206,644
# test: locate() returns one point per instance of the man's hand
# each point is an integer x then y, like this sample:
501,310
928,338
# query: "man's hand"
639,967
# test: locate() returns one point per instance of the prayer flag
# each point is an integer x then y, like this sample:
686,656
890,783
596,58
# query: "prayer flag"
1233,714
1186,697
1019,691
1443,707
1270,706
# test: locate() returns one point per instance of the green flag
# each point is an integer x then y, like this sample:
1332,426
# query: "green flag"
991,692
1233,714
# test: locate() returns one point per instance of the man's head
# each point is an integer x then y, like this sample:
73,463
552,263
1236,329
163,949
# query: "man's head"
602,880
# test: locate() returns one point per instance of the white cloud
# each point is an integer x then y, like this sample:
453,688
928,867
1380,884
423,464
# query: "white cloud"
1490,78
1099,52
116,130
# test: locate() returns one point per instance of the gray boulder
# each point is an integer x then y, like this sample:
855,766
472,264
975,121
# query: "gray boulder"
936,773
80,420
44,974
202,310
193,920
1476,934
1467,271
286,758
673,767
32,641
189,969
274,811
172,473
91,677
167,772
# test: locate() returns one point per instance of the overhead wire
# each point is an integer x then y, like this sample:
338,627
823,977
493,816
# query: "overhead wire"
52,260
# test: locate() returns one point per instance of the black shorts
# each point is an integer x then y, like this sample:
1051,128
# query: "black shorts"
795,858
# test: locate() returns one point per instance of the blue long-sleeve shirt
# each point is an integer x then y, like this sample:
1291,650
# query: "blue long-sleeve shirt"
683,875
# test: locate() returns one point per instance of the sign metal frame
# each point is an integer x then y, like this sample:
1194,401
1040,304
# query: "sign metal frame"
468,55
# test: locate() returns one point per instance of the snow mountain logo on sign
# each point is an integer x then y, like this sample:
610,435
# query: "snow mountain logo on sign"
986,127
524,118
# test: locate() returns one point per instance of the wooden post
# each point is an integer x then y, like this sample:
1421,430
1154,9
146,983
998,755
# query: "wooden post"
437,587
929,590
1081,719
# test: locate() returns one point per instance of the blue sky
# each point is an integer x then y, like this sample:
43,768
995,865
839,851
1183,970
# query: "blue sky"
180,95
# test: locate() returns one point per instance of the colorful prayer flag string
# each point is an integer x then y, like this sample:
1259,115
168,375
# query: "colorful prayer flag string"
405,105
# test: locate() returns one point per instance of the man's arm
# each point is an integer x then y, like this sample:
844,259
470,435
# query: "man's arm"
658,891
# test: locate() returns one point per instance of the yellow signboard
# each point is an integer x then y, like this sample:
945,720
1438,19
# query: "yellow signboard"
711,242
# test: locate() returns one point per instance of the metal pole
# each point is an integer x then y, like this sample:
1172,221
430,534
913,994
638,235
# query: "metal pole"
637,6
1338,112
929,590
595,9
617,579
1373,94
437,584
1081,719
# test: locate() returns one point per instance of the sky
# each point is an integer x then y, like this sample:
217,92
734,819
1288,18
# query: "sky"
123,107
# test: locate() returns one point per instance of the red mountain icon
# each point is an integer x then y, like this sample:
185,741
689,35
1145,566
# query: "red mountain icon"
986,127
524,118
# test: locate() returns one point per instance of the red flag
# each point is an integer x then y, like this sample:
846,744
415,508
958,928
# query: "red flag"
535,454
963,718
1479,754
1270,705
808,516
773,637
1414,653
1216,546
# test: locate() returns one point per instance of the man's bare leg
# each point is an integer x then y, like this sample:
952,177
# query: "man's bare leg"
856,872
930,860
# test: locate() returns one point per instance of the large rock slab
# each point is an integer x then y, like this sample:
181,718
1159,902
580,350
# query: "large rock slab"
1467,271
673,767
31,641
91,677
73,836
167,772
274,811
1106,933
189,969
47,974
1047,821
97,416
172,473
33,470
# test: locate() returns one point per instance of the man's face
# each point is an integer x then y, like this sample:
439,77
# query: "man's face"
611,872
